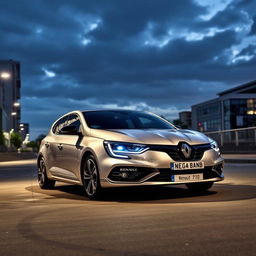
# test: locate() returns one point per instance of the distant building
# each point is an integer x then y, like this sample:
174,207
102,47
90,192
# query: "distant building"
185,119
234,108
9,95
24,130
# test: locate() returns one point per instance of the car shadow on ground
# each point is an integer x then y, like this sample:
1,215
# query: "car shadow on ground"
163,194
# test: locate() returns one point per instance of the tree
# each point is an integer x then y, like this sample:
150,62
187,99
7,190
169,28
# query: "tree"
35,144
16,140
32,144
40,138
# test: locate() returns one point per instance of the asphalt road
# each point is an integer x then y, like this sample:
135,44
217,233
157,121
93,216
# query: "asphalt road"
148,221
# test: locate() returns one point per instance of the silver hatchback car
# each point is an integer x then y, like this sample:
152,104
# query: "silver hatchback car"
117,148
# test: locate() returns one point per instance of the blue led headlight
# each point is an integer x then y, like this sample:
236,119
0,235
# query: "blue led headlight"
123,149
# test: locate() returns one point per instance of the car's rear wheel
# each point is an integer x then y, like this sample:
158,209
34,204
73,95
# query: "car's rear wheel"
43,180
91,179
200,186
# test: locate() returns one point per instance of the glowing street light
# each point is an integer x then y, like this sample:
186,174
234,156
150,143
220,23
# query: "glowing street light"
13,113
16,104
5,75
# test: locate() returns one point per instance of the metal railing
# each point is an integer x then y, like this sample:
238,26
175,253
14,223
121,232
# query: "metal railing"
234,140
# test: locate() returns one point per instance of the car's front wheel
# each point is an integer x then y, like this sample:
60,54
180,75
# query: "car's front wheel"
91,179
43,180
200,186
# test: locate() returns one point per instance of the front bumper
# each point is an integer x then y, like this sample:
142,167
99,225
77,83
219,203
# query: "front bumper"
156,169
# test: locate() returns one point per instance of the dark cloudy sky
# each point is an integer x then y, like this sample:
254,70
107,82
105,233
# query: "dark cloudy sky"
161,55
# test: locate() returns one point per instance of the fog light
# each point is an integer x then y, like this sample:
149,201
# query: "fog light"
124,175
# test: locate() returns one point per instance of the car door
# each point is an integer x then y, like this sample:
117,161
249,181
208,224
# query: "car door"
69,150
52,142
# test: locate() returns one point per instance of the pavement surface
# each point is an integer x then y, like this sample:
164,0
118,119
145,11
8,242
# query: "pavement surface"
14,156
143,221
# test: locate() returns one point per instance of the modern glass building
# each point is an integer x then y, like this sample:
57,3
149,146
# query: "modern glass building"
234,108
9,95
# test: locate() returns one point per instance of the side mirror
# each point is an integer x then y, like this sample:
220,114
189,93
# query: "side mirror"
70,130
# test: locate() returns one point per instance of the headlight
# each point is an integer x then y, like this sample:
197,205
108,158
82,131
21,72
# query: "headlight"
123,149
214,145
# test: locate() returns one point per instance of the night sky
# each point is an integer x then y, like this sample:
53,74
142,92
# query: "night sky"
161,56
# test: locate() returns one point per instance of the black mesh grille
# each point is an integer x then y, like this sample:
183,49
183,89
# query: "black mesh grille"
175,151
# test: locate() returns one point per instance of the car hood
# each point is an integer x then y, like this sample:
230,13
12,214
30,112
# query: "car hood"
151,136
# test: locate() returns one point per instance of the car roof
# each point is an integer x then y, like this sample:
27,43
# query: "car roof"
106,110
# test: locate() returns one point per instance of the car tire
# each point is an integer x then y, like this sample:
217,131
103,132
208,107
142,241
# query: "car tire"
91,179
43,180
199,187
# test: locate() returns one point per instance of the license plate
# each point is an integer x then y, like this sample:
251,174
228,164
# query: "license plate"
187,165
187,177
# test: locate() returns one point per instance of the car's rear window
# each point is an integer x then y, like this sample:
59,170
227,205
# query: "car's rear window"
124,120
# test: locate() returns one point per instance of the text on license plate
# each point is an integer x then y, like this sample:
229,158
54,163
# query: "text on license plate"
187,165
187,177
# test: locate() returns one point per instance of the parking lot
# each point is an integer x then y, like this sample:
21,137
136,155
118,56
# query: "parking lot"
139,221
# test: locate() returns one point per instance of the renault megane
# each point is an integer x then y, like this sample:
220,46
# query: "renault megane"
116,148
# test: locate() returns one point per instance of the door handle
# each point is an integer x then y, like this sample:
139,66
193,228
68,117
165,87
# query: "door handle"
47,144
60,146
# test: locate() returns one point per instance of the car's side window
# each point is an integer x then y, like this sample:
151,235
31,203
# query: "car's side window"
60,124
74,120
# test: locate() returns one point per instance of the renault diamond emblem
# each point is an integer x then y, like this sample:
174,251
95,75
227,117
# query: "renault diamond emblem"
186,150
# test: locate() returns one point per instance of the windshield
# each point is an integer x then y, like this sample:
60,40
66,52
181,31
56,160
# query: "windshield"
122,119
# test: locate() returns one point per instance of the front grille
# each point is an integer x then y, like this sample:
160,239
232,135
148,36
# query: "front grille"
165,174
175,151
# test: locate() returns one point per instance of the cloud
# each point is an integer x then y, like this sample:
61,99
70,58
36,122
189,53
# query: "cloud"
161,56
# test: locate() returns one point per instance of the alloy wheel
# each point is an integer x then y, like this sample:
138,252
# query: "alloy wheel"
90,177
